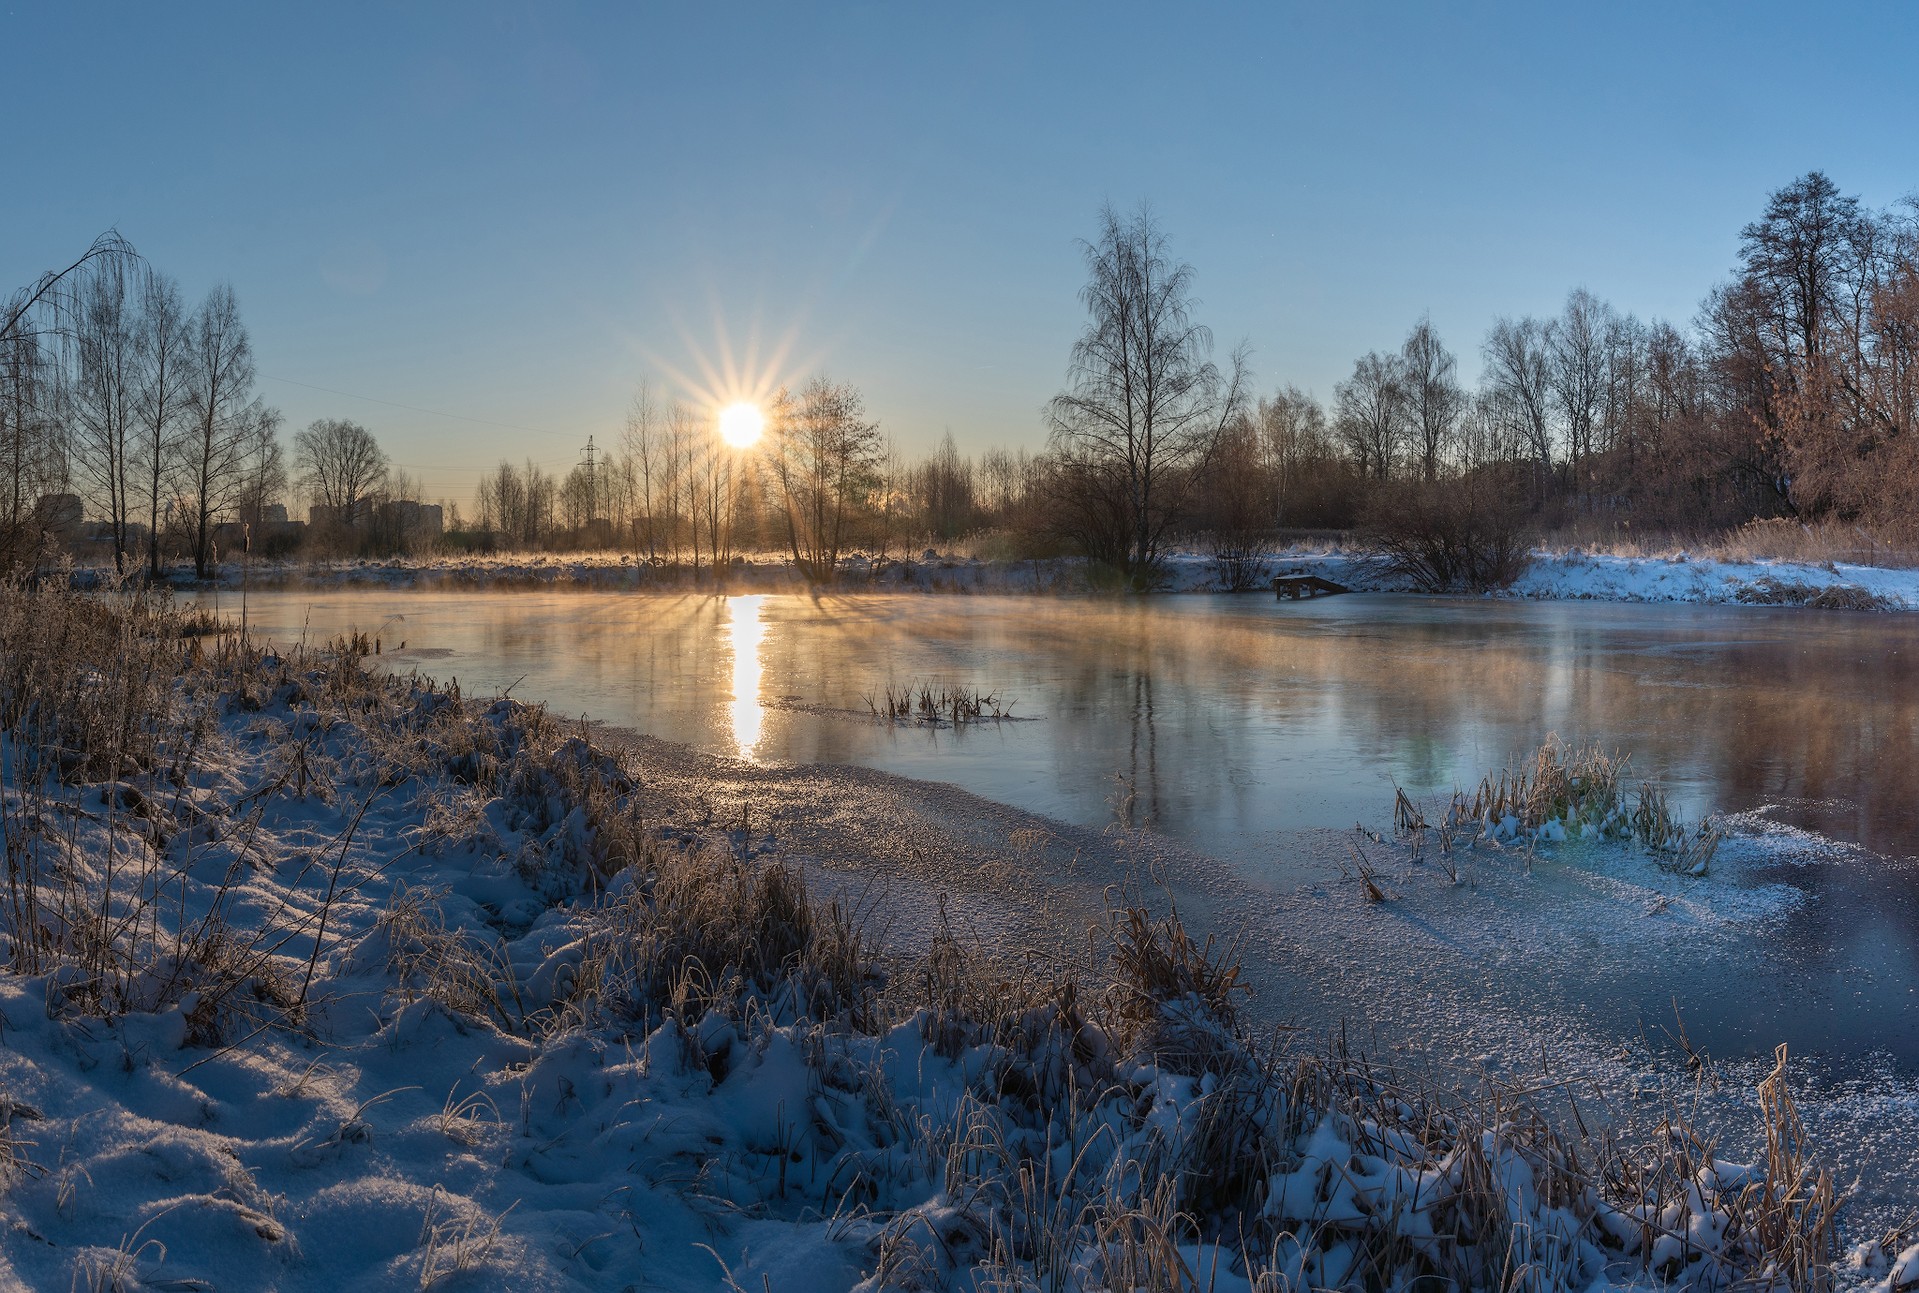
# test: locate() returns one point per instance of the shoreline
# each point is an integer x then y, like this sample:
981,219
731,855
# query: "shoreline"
566,1020
1569,575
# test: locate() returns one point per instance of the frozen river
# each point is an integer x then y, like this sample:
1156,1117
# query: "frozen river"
1252,732
1234,718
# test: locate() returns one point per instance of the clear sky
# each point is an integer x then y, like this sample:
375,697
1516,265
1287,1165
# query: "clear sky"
515,213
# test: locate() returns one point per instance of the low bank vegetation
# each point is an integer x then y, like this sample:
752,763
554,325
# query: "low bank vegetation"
1567,793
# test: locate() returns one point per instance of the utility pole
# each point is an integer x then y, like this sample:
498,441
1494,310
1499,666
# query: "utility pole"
592,482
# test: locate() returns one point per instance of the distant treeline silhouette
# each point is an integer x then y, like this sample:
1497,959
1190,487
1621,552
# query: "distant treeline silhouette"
1792,398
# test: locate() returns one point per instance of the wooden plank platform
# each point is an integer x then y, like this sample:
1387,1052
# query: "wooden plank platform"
1306,586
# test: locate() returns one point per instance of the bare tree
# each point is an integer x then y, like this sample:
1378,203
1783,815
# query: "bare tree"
1576,364
166,380
104,392
1007,486
1236,508
222,415
650,463
1145,406
620,488
687,449
945,488
1372,413
719,502
502,504
823,452
1796,257
263,471
39,324
32,456
1621,434
1488,433
1519,375
891,497
1817,339
542,496
341,467
1434,400
1296,445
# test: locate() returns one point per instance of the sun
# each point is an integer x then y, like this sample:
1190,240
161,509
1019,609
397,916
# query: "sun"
740,425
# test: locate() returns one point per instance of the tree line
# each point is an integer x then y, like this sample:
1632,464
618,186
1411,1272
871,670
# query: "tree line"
1792,393
113,387
142,409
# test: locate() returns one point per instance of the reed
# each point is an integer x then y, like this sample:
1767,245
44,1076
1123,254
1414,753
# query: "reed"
1566,792
937,706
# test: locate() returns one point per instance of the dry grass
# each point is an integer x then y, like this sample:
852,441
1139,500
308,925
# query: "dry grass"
1327,1170
1568,793
1120,1128
454,1241
1771,590
1774,539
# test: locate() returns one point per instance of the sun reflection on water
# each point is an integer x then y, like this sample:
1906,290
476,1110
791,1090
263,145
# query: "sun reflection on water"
745,632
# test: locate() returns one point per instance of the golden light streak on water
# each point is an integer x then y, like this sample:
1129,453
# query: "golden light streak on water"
745,631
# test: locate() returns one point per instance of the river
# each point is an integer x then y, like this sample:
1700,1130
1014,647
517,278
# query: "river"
1256,736
1254,732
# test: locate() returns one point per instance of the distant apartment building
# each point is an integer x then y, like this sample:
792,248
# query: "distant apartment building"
413,519
101,532
61,516
322,518
395,525
272,535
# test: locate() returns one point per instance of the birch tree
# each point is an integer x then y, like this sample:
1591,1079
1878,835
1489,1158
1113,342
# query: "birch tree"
824,455
1434,401
1144,406
222,414
104,393
162,401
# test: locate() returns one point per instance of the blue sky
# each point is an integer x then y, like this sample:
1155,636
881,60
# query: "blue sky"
515,213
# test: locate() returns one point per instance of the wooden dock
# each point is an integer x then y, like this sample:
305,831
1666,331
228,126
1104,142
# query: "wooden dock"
1306,586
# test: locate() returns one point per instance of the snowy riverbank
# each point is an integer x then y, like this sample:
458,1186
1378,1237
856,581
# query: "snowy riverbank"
320,978
1553,575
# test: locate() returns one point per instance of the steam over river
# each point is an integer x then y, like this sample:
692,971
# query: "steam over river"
1256,735
1236,717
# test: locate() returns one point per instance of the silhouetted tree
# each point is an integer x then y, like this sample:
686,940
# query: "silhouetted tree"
166,383
1434,400
341,467
104,391
823,452
1518,372
1576,371
223,418
1144,405
1372,413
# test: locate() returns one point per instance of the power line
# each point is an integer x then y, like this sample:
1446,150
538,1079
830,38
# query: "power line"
411,408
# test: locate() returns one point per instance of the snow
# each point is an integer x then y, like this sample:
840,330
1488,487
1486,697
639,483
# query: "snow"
399,1018
1563,575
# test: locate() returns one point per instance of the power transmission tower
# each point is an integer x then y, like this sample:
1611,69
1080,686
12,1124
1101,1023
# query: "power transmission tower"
592,481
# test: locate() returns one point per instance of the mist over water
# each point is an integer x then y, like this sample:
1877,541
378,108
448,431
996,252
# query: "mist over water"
1232,718
1248,730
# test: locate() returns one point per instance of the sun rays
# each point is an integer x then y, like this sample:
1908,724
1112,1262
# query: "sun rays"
732,383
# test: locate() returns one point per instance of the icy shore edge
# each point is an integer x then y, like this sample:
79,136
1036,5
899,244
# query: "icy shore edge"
324,978
1569,575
